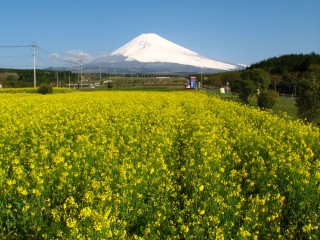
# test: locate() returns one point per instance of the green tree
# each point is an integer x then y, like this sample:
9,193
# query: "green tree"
308,100
245,89
267,99
251,82
275,80
291,80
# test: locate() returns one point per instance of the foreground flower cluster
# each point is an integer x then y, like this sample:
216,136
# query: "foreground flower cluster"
151,165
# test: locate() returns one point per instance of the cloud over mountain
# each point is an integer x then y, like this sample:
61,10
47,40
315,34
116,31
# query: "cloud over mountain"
77,55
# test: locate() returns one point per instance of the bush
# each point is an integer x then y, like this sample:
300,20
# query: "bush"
250,81
267,99
308,100
45,89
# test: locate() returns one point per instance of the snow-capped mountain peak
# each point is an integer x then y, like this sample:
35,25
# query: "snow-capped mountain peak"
153,48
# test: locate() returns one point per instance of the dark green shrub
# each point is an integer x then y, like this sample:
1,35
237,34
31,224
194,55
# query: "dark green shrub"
308,100
267,99
250,81
45,89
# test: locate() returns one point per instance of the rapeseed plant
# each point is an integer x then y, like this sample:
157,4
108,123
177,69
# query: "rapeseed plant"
151,165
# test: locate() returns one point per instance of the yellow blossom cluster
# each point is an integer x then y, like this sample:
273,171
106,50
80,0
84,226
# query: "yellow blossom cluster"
154,165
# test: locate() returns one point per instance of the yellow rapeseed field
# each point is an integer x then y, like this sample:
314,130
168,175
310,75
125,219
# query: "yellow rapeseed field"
154,165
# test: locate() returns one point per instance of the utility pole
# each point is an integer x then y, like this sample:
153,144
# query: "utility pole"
57,79
100,74
201,81
34,48
81,71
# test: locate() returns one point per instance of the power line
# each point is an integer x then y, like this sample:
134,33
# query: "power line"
14,67
15,46
47,52
57,57
38,49
18,57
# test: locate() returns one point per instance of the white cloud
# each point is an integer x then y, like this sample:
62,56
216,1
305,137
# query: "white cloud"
55,56
75,56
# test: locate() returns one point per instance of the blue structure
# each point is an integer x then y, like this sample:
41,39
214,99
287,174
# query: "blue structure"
192,83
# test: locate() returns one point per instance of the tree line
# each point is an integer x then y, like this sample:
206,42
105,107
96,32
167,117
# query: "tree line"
11,78
288,70
19,78
297,74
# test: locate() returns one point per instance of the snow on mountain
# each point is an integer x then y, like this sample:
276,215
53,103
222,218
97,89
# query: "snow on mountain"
151,48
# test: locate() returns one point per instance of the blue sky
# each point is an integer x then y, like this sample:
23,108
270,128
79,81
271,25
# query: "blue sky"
234,31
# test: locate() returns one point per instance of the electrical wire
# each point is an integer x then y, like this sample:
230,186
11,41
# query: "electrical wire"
15,46
41,61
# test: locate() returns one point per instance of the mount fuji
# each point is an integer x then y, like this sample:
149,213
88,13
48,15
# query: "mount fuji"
152,53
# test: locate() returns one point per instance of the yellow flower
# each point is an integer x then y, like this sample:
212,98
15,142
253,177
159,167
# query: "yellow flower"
11,182
185,229
201,212
22,191
71,222
85,212
97,226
